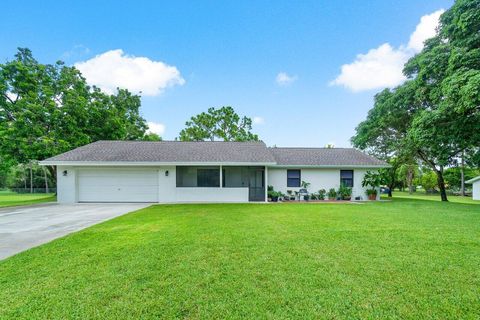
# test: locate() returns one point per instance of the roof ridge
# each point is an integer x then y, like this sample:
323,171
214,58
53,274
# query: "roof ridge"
206,141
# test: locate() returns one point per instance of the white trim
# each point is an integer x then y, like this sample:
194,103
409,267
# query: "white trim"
152,163
149,163
336,166
473,180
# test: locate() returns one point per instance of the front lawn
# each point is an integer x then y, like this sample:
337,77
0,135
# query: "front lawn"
11,199
408,259
421,195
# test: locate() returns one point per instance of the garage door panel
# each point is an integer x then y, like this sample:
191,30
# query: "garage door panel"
118,185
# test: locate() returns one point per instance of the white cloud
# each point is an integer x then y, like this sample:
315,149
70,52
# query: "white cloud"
425,30
379,68
258,120
283,79
114,69
155,127
382,67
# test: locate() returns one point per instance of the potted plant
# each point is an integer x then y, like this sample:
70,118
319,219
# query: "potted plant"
321,194
345,192
306,197
305,184
371,181
372,194
272,194
332,194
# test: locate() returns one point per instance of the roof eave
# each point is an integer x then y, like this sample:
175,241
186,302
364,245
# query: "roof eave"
473,180
332,166
150,163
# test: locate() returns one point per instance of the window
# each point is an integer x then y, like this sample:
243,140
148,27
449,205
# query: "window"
208,178
346,178
198,177
293,178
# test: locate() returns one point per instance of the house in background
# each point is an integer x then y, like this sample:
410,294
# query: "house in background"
475,182
177,172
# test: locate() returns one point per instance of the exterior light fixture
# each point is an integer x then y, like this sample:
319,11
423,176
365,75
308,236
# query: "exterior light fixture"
65,173
166,173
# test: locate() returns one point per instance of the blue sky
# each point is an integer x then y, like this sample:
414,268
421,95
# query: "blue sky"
212,53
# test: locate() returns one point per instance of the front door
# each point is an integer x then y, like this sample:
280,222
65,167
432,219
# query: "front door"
256,184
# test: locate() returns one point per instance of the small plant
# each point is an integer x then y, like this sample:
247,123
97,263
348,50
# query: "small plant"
313,196
321,194
305,184
345,192
273,195
332,194
306,197
372,194
372,181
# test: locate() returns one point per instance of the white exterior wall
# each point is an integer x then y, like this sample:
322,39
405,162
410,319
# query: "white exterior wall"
476,190
318,178
67,187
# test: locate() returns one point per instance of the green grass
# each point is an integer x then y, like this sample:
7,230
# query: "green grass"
421,195
407,259
11,199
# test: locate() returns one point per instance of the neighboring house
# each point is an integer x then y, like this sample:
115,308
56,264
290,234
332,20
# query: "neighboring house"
174,171
475,182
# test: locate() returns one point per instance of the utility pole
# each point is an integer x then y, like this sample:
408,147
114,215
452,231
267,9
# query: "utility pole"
31,178
462,175
46,179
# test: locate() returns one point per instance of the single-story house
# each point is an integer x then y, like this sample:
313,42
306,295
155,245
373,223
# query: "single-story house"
475,182
175,171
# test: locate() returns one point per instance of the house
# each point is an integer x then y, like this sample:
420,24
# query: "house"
175,171
475,182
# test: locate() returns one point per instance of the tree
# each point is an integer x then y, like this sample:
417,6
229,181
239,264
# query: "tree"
435,115
428,180
48,109
218,124
407,173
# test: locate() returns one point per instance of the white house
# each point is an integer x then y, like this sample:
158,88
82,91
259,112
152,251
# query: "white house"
475,182
175,171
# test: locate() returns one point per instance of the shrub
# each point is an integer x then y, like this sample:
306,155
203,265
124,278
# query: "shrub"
332,193
321,194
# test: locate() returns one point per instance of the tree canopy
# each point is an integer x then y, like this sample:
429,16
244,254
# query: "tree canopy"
218,124
434,116
47,109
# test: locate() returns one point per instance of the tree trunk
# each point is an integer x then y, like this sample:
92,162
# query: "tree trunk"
441,184
410,179
462,177
24,178
390,188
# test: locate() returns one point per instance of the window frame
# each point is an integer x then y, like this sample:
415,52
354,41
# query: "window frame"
299,178
348,179
199,176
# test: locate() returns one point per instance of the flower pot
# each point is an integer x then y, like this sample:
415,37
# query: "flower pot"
372,197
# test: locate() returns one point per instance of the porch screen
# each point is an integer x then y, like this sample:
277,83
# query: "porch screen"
198,177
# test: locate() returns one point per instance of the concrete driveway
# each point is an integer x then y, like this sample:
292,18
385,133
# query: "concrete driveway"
26,227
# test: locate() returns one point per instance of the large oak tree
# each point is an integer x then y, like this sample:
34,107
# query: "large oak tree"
435,115
47,109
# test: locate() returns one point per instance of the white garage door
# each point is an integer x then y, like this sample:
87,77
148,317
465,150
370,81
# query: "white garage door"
117,185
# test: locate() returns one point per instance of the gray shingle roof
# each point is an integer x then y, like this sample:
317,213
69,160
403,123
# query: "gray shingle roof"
324,157
169,151
214,152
